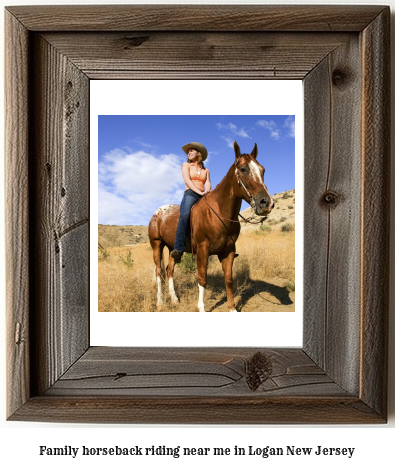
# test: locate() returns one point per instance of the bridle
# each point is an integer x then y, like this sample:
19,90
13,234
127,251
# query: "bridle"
252,202
221,218
240,182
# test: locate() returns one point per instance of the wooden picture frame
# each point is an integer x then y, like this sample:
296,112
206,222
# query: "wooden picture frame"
340,374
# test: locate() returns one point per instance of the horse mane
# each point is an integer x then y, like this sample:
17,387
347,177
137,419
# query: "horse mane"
220,183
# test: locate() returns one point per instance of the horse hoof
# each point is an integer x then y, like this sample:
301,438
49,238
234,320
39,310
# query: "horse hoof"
202,309
232,311
175,301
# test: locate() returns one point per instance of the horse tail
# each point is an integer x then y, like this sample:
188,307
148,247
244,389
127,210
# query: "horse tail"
157,245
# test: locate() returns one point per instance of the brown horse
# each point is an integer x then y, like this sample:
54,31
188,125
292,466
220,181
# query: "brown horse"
214,224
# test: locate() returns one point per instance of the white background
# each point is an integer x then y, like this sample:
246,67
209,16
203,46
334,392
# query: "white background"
19,442
282,329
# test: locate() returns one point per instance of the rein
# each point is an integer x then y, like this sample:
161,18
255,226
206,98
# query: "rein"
221,218
252,202
248,220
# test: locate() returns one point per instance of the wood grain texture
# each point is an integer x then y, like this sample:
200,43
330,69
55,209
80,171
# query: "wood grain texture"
375,211
339,376
317,150
123,385
198,410
17,213
208,372
196,55
200,18
60,202
333,195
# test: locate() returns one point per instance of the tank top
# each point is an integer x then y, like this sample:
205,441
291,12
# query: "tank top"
197,180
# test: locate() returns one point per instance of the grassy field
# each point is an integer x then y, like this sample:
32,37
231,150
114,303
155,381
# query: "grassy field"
263,274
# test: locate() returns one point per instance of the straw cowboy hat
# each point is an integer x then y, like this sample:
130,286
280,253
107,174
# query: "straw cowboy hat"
195,145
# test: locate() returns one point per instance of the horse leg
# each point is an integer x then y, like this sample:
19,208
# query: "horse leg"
202,258
157,248
170,272
227,265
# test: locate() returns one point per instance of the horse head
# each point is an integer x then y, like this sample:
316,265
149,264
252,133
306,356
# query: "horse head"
250,174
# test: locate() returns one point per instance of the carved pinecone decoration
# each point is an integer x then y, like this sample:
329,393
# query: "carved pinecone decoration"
259,369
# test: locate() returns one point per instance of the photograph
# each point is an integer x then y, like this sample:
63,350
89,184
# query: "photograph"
232,249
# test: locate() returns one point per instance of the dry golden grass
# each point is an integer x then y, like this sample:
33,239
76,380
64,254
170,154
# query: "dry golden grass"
266,264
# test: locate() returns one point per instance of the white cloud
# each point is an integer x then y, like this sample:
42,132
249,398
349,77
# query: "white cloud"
242,133
290,124
229,126
233,129
270,126
145,145
133,185
228,140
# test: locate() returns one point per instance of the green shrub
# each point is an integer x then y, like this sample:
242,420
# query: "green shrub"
103,254
287,227
272,221
128,262
188,264
290,285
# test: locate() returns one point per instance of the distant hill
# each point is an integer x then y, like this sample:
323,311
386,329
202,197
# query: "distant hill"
283,212
124,235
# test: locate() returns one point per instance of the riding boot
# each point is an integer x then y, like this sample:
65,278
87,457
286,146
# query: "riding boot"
176,255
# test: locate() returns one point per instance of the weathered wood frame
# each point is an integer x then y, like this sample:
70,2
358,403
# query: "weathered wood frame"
340,374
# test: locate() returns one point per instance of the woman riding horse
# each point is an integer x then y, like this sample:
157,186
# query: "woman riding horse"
214,222
197,181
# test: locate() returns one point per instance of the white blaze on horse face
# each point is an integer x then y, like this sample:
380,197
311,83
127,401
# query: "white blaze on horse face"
201,299
257,174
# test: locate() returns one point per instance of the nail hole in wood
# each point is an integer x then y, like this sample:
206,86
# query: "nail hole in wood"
119,375
330,199
339,77
135,41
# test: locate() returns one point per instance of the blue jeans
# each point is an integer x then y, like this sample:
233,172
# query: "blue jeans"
190,198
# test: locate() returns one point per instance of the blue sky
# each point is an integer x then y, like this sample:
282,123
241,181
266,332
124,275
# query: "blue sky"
140,158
